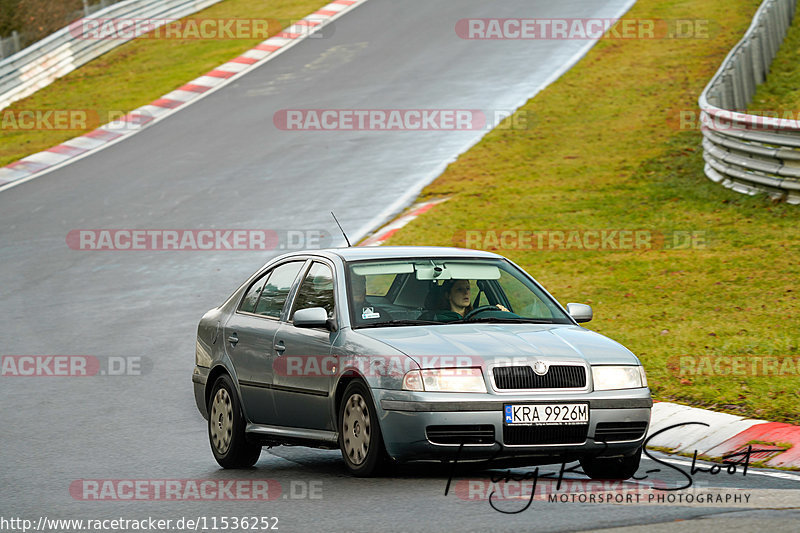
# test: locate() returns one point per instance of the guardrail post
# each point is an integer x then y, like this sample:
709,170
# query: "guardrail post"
9,45
739,101
749,74
759,74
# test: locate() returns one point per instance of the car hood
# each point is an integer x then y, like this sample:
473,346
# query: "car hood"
495,343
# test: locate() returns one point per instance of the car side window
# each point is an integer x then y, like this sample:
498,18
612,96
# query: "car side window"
250,299
316,290
276,290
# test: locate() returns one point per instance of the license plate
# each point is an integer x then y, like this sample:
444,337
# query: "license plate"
546,414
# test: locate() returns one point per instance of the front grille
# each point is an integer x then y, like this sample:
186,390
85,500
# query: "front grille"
523,377
618,431
458,434
549,434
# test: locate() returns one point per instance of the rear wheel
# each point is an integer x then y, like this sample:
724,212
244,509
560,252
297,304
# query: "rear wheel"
617,468
226,428
360,436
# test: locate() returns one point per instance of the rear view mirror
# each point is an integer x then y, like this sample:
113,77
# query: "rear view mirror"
312,317
580,312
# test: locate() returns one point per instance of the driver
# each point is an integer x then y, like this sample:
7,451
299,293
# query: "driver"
457,301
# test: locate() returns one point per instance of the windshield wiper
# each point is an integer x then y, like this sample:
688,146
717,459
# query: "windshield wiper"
394,323
496,319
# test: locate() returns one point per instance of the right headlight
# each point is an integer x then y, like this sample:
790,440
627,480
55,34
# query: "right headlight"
445,380
618,377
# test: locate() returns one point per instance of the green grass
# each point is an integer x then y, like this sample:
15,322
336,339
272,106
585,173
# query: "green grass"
781,92
140,71
712,459
604,153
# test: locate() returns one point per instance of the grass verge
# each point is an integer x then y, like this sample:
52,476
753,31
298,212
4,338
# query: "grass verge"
710,459
603,150
781,92
138,72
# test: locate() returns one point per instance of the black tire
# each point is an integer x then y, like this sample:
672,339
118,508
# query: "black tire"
614,468
226,427
360,438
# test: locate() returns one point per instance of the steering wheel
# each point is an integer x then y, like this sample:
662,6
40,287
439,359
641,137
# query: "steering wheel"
479,310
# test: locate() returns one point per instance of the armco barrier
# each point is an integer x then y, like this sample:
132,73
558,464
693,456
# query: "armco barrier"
15,42
751,153
40,64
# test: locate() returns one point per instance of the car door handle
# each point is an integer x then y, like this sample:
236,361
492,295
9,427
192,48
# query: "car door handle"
233,339
279,347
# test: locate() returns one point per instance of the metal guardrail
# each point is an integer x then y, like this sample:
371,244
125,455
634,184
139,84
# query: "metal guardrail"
15,42
751,153
40,64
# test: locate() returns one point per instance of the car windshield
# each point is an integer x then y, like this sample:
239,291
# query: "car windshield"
407,292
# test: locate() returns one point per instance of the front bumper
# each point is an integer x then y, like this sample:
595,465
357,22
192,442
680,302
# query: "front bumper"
405,416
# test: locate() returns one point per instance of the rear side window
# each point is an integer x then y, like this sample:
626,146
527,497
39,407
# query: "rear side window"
268,295
277,288
316,290
248,304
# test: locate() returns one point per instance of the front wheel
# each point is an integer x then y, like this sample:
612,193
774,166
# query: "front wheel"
226,428
360,436
615,468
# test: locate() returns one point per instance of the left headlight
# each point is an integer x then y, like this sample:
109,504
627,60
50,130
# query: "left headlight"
618,377
445,380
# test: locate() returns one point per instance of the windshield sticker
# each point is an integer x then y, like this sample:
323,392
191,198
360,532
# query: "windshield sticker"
369,312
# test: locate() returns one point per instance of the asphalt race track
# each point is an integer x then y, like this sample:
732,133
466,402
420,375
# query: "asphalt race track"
221,163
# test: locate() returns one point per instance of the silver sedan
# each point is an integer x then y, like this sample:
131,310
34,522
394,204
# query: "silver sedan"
396,354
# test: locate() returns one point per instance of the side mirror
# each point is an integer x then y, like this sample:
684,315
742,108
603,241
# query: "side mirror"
580,312
312,317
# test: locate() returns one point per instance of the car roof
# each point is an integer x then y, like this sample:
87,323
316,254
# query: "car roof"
392,252
360,253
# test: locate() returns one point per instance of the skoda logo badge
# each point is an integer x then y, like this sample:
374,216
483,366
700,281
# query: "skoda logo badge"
540,368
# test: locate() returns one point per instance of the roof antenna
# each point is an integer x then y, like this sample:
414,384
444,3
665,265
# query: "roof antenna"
342,230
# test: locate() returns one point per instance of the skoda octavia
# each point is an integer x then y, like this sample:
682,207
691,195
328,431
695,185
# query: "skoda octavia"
398,354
